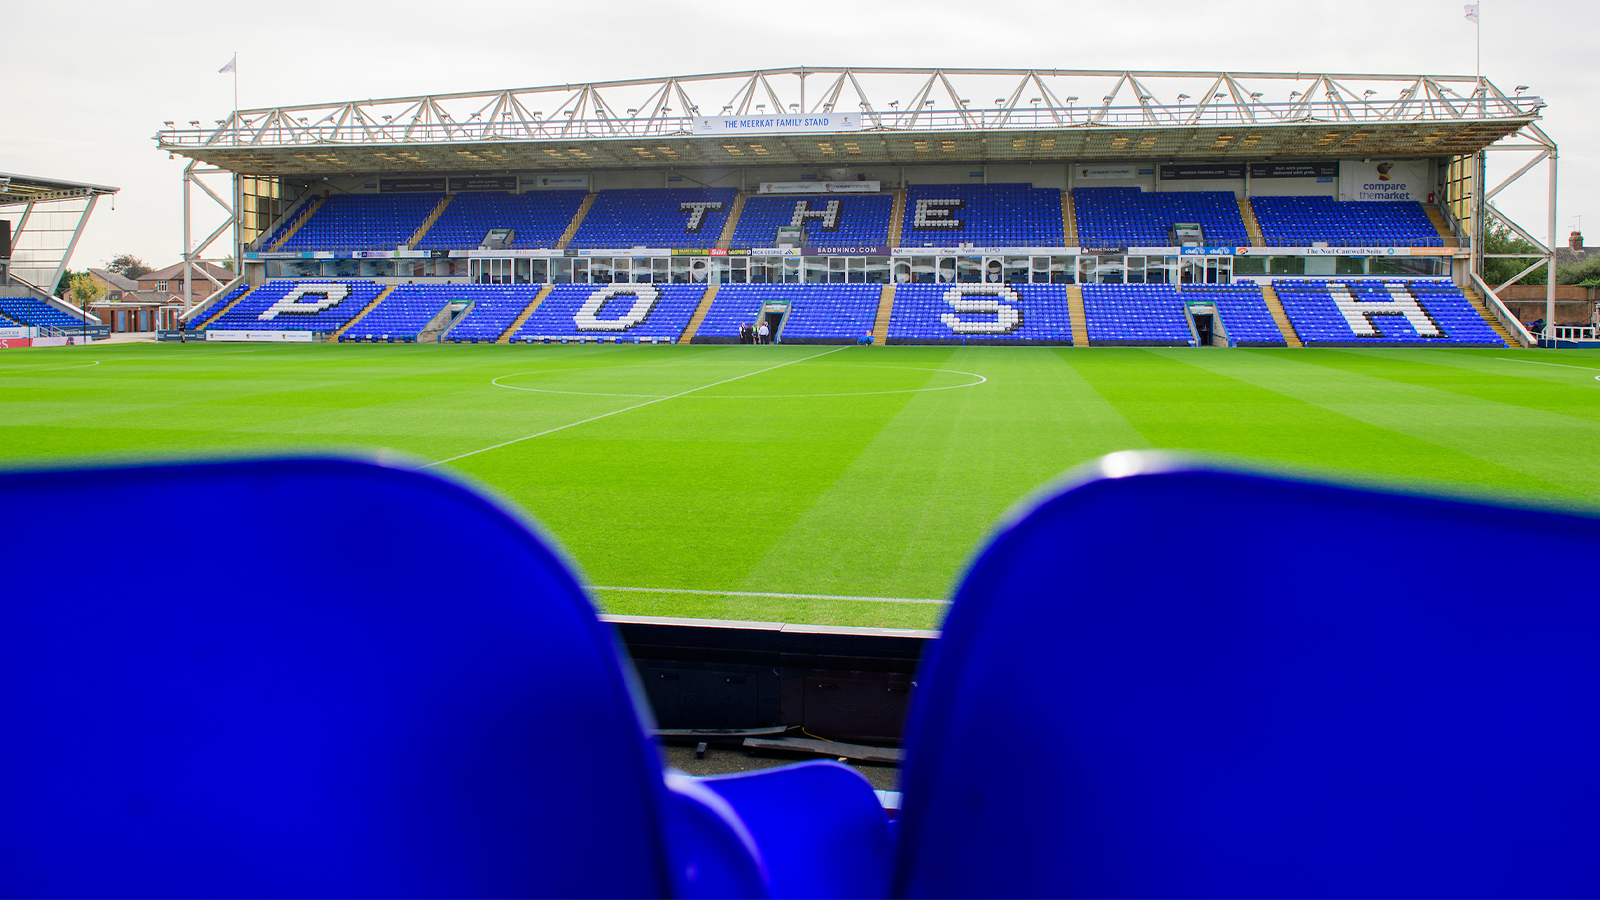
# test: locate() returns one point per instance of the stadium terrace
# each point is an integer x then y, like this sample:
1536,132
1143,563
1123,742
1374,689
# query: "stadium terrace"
940,219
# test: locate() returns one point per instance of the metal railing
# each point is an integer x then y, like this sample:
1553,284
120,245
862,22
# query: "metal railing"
274,128
1501,312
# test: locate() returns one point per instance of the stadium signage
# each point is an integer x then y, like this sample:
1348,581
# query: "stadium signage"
776,251
987,251
820,187
1206,251
728,126
484,183
1327,169
556,183
17,332
847,250
410,185
1202,172
1105,172
273,337
1344,251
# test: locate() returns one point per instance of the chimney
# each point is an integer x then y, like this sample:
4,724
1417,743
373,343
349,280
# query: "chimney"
1575,241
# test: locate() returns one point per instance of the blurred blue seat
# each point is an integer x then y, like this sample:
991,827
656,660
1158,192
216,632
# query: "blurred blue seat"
346,719
1375,706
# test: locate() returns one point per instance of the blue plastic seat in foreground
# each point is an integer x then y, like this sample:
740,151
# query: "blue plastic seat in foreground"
1369,708
349,723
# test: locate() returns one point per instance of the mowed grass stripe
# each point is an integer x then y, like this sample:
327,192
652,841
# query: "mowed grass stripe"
883,495
1400,393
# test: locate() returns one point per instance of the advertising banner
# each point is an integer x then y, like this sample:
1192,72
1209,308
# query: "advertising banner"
556,183
820,187
268,337
484,183
1202,171
729,126
410,185
8,343
845,250
1348,251
1384,180
20,331
776,251
1090,173
1323,169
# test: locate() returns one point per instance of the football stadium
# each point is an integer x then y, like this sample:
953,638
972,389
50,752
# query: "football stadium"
1158,430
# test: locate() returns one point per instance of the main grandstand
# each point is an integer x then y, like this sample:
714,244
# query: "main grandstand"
1254,210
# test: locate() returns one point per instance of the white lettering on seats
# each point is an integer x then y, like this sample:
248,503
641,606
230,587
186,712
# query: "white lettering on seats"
1007,318
936,214
330,295
697,213
1359,313
644,300
828,216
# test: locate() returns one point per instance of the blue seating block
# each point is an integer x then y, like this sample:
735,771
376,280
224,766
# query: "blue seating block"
983,215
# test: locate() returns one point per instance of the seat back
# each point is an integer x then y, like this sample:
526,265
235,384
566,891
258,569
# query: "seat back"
1181,681
273,678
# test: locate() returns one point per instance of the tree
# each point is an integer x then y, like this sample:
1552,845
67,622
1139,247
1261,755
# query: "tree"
128,266
65,284
1497,238
83,289
1585,272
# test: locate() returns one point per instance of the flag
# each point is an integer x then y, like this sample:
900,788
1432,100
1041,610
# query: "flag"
1471,8
233,64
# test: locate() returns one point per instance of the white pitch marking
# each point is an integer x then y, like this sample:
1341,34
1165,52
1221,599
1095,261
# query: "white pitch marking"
1541,363
950,387
33,368
626,409
641,590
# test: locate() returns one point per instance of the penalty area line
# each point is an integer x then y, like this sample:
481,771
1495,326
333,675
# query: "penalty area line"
627,409
778,596
1537,362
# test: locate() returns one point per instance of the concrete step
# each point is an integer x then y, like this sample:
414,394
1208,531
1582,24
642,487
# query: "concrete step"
577,220
505,336
310,211
1275,306
1077,315
897,217
438,210
699,315
726,239
339,332
880,326
1252,226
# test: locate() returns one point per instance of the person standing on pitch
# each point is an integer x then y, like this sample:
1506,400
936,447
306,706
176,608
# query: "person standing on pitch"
765,332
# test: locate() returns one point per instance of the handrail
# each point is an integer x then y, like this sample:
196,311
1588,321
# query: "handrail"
1511,322
206,303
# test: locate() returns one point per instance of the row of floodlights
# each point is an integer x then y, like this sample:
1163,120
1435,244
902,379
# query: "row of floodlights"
999,103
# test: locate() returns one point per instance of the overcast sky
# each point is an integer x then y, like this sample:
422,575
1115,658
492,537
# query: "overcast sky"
92,82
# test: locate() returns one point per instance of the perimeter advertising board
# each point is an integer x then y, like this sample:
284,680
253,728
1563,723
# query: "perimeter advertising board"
267,337
1392,180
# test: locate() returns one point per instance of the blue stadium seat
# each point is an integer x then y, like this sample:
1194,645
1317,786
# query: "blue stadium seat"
663,217
828,219
983,215
1226,683
1136,315
1316,309
536,219
322,713
363,222
927,314
1111,217
310,312
1304,221
31,311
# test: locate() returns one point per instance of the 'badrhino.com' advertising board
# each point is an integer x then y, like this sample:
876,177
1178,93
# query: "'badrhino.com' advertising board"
1384,179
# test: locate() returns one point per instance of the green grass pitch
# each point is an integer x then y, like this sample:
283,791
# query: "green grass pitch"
854,472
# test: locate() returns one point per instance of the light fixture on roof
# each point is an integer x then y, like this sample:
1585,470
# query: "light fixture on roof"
894,105
633,112
168,124
1293,94
1181,97
794,107
1071,100
196,122
1368,93
998,102
1520,89
1255,95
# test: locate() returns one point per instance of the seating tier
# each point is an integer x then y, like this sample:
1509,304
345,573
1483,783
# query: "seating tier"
537,219
836,220
1136,314
1444,313
946,314
1304,221
673,217
364,222
1128,217
983,215
246,316
560,314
